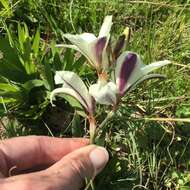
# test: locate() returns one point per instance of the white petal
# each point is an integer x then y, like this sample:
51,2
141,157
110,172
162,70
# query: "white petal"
88,37
104,93
86,43
67,91
146,77
67,46
72,81
83,43
106,27
155,65
141,70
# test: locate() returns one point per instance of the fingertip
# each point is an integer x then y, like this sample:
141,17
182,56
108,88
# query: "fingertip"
99,157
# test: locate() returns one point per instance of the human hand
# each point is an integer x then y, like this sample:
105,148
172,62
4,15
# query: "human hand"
67,163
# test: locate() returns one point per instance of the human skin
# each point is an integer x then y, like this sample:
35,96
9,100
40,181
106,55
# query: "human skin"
48,163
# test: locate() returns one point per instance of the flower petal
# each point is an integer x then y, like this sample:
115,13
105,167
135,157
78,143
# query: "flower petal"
104,93
141,70
98,48
106,27
67,91
91,47
146,77
125,66
67,46
82,43
88,37
77,88
155,65
129,69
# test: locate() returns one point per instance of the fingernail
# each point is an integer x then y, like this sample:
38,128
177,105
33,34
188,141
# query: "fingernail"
99,158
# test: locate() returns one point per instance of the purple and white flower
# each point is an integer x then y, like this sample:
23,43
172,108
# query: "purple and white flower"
129,70
92,47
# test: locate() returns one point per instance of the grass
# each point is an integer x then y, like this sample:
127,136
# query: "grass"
149,137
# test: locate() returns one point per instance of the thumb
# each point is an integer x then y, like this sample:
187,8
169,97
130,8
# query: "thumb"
72,169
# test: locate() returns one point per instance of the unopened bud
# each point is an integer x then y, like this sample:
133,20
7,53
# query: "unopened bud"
127,33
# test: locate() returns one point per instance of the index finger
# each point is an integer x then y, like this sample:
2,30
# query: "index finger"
31,151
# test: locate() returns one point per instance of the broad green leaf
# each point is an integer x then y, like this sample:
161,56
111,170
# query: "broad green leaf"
48,75
32,84
12,73
10,65
72,101
185,188
9,54
77,130
12,95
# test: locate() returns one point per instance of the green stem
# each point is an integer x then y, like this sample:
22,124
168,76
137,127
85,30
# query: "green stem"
92,132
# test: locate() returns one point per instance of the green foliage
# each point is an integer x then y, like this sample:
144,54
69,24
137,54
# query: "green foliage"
23,86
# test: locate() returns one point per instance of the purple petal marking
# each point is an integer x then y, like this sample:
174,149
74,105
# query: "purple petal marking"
127,68
99,47
119,45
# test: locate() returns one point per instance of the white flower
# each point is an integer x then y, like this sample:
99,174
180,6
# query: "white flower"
104,93
75,87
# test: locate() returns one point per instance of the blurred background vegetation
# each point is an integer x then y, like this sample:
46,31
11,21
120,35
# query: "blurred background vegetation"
149,137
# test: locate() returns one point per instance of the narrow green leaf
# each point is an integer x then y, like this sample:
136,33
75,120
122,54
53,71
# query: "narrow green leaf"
21,37
8,87
26,32
5,3
36,43
7,100
48,75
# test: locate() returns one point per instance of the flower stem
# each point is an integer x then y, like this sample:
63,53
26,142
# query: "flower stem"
92,132
92,128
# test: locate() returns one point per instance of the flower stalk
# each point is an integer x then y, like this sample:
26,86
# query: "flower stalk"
92,128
